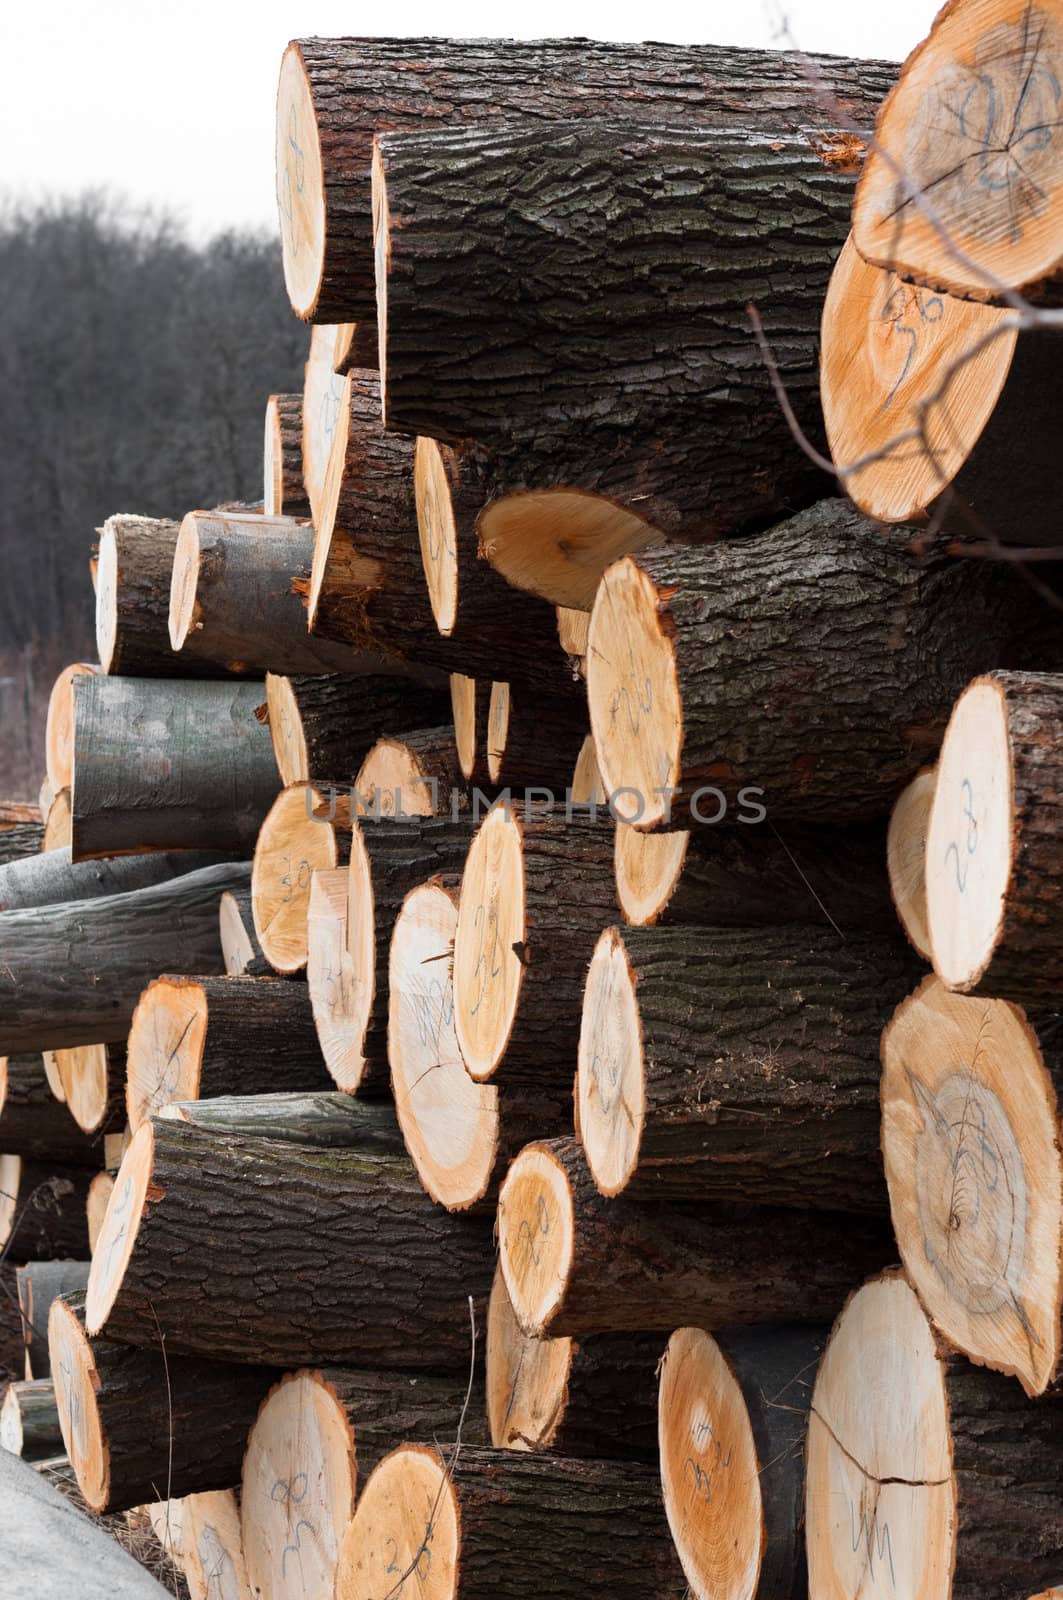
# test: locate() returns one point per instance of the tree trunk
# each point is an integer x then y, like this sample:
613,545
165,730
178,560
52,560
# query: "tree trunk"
753,876
738,1064
324,727
29,1422
535,895
994,868
142,1424
241,951
334,95
460,1134
51,876
322,397
163,765
933,406
827,695
595,1398
325,1121
92,1078
304,832
417,775
971,1090
347,1284
349,981
74,972
733,1418
906,857
34,1123
42,1210
39,1285
194,1038
21,831
483,1524
238,599
284,493
972,116
59,730
938,1478
316,1439
576,1264
133,600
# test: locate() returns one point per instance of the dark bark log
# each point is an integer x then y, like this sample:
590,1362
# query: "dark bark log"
484,1524
417,775
133,600
39,1284
29,1421
739,1064
356,346
194,1038
829,693
326,1121
92,1079
640,1265
75,972
364,1269
241,951
12,1341
21,832
284,493
46,879
533,740
34,1123
162,765
324,727
42,1210
336,93
141,1423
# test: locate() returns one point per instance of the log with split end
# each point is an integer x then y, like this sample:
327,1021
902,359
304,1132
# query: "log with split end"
994,863
971,1133
576,1263
738,1064
323,727
925,1475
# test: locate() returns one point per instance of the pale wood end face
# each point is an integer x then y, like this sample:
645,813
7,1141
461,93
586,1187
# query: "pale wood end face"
610,1083
437,532
556,543
76,1382
118,1235
536,1236
527,1379
405,1536
488,971
300,185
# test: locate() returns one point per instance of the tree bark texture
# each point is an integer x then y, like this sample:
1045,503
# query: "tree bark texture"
39,1285
34,1123
387,1407
50,1222
325,726
358,86
325,1121
75,971
52,876
533,740
284,494
133,600
162,765
21,832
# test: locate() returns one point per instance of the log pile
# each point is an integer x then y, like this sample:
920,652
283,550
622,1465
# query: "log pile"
472,1068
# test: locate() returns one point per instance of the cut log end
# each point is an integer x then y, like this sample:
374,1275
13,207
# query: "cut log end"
488,969
970,1136
406,1523
10,1179
527,1379
498,708
536,1235
106,598
648,866
906,857
381,264
99,1197
879,1487
165,1050
286,730
298,1487
710,1474
333,982
970,125
59,823
300,185
121,1224
970,847
895,359
237,946
185,581
212,1556
83,1071
610,1086
59,728
394,780
557,543
437,532
328,498
292,844
76,1384
272,461
448,1120
586,784
633,696
463,692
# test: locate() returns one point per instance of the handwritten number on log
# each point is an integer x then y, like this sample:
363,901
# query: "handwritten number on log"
962,858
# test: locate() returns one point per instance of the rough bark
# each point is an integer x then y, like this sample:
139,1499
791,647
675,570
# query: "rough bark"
34,1123
384,1408
638,1265
830,692
43,1210
75,972
284,494
12,1341
21,831
752,1072
39,1284
362,1268
133,600
159,1421
534,740
323,727
326,1121
241,951
52,876
29,1421
162,765
357,86
356,346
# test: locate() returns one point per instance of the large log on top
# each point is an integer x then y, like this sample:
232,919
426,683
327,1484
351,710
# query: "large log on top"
73,972
575,1263
345,1282
971,1093
925,1475
738,1064
994,848
167,765
335,93
812,667
51,876
964,188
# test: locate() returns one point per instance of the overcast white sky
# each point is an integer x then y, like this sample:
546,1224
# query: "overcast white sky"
171,101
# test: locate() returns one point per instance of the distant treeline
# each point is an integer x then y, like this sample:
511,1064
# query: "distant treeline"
134,371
